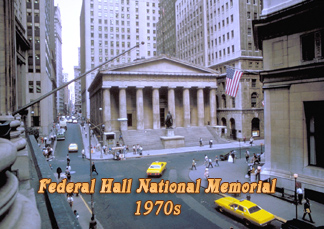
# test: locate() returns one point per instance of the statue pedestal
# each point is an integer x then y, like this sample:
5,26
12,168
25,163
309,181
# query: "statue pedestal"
172,141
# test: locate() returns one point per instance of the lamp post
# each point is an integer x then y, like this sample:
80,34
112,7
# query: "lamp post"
102,134
92,208
296,203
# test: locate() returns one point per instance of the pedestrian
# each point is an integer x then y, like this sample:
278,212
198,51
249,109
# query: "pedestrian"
206,173
68,176
233,155
76,214
216,161
104,149
307,210
70,200
83,154
141,150
120,137
251,140
210,143
68,160
210,163
206,160
200,141
247,156
51,167
58,170
137,148
93,223
94,168
134,149
300,195
244,140
193,164
257,174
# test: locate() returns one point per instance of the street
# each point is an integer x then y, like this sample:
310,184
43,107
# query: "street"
118,210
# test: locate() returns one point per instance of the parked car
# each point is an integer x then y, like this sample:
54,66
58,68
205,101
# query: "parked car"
249,212
157,168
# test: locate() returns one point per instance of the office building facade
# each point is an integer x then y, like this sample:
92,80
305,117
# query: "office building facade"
108,28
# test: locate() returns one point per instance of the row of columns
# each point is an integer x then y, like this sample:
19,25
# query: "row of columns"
156,107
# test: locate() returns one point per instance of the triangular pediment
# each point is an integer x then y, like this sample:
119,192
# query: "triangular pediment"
162,64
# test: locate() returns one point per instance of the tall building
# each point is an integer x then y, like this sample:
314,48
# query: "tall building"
59,68
291,35
218,34
166,29
41,77
18,207
77,87
108,28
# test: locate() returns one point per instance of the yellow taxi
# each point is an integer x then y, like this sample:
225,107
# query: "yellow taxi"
245,210
157,168
73,147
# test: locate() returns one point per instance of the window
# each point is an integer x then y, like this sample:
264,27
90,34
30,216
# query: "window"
233,102
308,47
38,87
253,99
314,113
248,15
253,83
31,86
224,100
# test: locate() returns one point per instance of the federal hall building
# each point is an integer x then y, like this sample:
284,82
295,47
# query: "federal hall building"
134,98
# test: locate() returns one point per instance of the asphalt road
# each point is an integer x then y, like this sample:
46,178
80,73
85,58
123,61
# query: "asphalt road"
118,210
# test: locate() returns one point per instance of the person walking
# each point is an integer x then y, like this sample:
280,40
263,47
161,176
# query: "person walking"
206,160
134,149
251,140
70,200
233,155
83,154
216,161
76,214
307,210
200,141
210,163
247,156
206,173
94,168
58,170
210,143
300,195
193,164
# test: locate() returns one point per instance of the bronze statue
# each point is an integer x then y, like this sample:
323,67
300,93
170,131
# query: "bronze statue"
169,121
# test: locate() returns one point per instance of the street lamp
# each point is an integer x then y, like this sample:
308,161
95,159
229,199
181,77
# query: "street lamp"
92,209
296,203
102,134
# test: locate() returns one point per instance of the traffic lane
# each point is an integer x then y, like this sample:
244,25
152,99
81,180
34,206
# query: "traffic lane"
72,135
107,206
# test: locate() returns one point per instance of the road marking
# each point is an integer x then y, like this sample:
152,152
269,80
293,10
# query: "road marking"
85,203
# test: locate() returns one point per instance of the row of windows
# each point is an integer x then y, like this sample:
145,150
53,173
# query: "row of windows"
253,100
122,22
123,2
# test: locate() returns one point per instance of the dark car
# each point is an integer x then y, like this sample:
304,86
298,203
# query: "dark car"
224,157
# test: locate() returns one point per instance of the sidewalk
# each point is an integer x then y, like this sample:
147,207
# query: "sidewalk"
232,172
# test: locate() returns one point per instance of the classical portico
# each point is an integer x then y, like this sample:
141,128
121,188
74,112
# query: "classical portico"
144,91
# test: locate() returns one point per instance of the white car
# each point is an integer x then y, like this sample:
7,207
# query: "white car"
73,147
75,121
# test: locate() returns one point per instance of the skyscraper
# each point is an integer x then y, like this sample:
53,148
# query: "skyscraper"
110,27
58,48
41,76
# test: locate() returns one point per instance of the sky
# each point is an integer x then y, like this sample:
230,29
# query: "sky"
70,19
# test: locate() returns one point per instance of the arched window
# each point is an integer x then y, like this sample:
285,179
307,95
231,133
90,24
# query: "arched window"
224,101
254,99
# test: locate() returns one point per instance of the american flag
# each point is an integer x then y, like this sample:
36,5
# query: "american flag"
232,81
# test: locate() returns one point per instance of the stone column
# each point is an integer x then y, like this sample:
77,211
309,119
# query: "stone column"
156,108
171,104
186,107
213,108
122,107
139,108
106,108
200,106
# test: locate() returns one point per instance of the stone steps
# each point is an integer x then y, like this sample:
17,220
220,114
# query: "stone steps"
150,139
